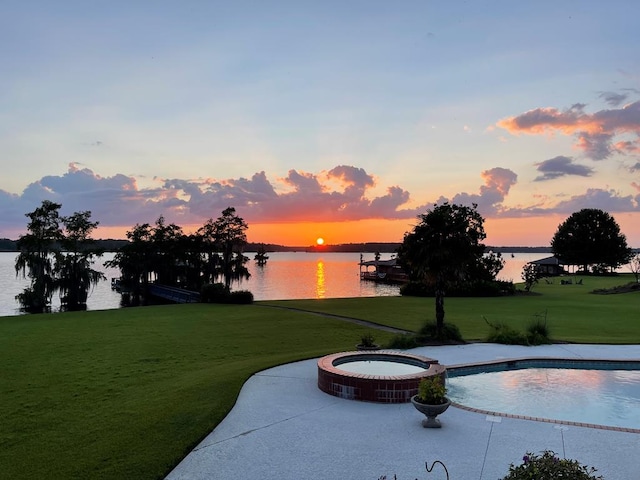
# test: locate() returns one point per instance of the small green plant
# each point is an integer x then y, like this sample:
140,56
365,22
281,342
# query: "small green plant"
368,340
548,466
432,390
504,334
537,330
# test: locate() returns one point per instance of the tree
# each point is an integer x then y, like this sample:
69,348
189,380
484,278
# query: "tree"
591,237
530,275
261,256
634,266
443,249
36,257
135,262
225,239
75,277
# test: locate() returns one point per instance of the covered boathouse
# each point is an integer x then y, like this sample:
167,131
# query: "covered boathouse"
385,271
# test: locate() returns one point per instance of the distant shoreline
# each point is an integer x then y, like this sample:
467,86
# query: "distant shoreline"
112,245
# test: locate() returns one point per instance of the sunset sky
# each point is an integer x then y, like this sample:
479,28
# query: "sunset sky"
340,119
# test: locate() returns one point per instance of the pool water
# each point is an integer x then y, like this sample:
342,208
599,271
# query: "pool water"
380,367
601,397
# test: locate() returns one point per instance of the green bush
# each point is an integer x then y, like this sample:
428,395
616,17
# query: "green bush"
240,297
549,467
415,289
213,293
505,334
403,341
479,288
538,332
218,293
429,332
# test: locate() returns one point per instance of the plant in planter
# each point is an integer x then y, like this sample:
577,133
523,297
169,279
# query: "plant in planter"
431,400
549,467
367,342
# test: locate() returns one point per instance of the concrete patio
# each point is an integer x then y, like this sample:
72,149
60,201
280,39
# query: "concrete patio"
283,427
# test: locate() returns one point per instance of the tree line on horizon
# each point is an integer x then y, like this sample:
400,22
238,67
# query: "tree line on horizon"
443,253
57,254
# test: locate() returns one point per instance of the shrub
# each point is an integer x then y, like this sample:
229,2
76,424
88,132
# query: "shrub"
240,297
368,340
549,467
538,331
218,293
415,289
213,293
403,341
505,334
429,332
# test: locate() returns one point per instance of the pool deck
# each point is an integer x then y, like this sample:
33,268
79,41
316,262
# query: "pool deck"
284,428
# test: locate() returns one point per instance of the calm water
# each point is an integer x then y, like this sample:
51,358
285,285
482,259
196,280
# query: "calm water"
287,275
601,397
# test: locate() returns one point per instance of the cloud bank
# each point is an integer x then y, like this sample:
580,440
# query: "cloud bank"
338,195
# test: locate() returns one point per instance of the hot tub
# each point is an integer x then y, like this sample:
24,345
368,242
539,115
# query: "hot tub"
385,377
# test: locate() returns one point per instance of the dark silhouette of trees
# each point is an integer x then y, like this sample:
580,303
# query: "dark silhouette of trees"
530,275
73,265
445,249
36,258
56,255
162,253
634,266
261,256
224,241
591,238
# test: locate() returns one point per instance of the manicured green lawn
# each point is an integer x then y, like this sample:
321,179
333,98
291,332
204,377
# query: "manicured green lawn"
573,313
127,393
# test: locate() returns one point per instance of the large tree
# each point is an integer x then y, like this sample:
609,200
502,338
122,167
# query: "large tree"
36,258
591,238
224,240
73,267
444,249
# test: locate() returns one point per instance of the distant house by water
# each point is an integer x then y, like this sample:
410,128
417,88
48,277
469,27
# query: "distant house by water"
549,266
384,271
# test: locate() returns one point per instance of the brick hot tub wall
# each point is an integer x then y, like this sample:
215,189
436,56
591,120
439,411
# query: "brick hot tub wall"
374,388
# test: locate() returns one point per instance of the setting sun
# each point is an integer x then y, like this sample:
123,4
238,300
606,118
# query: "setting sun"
320,241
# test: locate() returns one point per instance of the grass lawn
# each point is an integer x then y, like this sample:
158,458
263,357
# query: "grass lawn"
127,393
573,313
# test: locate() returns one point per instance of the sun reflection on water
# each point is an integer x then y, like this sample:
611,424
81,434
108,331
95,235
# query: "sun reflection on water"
320,282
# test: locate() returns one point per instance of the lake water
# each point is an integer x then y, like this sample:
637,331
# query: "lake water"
287,275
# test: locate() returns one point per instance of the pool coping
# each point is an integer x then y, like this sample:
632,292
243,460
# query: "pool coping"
550,360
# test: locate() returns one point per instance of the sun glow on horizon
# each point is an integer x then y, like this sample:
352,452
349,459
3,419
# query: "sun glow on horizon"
320,241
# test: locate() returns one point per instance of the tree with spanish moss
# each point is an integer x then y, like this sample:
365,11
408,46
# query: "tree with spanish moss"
73,265
36,258
224,240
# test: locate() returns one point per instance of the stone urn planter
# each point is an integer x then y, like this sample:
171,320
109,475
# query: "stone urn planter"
430,411
431,399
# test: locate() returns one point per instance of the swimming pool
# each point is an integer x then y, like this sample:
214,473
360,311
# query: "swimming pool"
605,393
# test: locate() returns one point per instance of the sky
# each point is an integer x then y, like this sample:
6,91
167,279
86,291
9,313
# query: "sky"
334,119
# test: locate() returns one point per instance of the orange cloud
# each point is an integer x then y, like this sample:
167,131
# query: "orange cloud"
595,132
